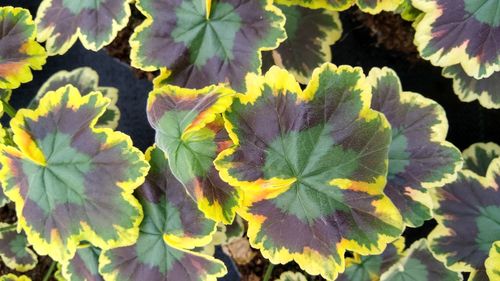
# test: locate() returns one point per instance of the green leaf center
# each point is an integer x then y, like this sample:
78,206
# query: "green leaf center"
485,11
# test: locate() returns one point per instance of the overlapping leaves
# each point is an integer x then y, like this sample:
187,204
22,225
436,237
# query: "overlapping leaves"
200,47
19,53
312,165
95,22
14,251
172,224
71,182
187,132
461,32
419,156
84,266
86,80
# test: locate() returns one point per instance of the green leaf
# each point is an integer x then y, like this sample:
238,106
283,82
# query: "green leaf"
478,157
492,263
420,158
172,225
12,277
14,250
407,11
291,276
312,165
419,265
71,182
197,50
86,80
377,6
84,266
95,22
19,52
333,5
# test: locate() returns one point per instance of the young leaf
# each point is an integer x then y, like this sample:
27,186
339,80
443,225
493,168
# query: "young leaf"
369,268
70,181
172,224
407,11
310,34
312,165
377,6
180,117
96,23
84,266
492,263
419,155
479,156
12,277
199,51
291,276
486,90
19,52
460,32
419,264
468,215
14,250
86,80
333,5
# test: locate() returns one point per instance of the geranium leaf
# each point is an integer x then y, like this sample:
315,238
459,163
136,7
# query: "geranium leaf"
96,23
312,165
492,263
467,212
12,277
309,36
86,80
71,182
19,52
486,90
419,156
200,51
334,5
84,266
478,157
14,250
368,268
377,6
407,11
419,264
291,276
172,224
180,117
460,32
224,235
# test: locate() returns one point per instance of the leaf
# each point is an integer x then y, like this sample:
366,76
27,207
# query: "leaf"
198,51
492,263
419,156
467,212
172,224
419,264
14,250
3,199
407,11
460,32
370,268
96,23
333,5
291,276
180,117
376,6
478,157
310,34
224,235
84,266
312,166
12,277
86,80
19,52
70,181
486,90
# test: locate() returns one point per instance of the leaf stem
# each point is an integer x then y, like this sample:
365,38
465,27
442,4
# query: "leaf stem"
8,109
269,272
8,228
49,272
208,7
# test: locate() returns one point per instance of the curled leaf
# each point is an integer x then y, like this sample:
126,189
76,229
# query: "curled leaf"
312,166
84,266
486,90
14,250
172,224
70,181
461,32
86,80
19,52
479,156
419,156
96,23
12,277
492,263
197,50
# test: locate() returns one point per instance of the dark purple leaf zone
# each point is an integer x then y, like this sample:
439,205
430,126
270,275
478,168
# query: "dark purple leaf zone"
468,215
486,90
198,51
14,251
96,23
83,266
463,31
69,181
